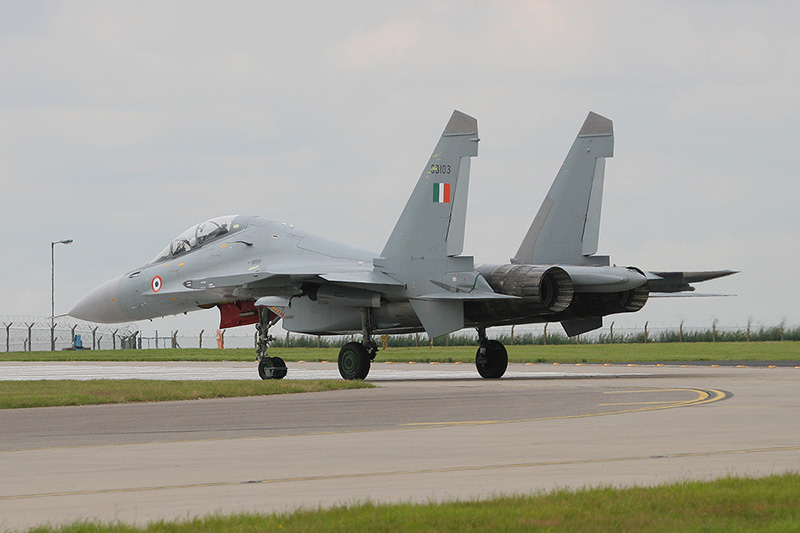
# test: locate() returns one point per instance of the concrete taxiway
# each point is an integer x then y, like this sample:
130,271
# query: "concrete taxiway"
427,432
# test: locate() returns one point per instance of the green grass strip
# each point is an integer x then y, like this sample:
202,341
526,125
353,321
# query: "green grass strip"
729,504
50,393
562,353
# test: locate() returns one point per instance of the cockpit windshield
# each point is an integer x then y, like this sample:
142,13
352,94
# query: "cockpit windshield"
197,236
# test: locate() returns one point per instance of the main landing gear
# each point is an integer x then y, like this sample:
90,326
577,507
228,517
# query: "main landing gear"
268,367
355,357
491,358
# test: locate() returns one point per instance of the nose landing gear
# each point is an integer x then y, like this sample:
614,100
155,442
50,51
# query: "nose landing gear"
268,367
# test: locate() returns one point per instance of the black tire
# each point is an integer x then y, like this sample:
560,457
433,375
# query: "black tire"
272,368
353,361
279,369
493,362
265,368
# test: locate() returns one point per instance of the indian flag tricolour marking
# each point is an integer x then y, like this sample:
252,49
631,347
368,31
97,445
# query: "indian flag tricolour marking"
441,193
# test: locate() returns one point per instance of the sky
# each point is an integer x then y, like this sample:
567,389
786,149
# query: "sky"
124,123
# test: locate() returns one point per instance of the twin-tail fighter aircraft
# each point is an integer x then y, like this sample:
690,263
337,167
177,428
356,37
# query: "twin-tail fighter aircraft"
258,271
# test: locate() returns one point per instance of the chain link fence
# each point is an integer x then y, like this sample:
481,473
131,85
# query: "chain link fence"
32,334
25,334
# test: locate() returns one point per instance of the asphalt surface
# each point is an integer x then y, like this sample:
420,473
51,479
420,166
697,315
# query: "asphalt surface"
738,364
427,432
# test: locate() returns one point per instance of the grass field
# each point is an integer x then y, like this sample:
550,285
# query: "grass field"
49,393
564,353
730,504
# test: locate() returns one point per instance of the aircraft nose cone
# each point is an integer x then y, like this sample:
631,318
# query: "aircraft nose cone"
101,304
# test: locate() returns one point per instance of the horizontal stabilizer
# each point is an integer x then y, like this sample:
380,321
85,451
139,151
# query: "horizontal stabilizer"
689,295
670,282
697,277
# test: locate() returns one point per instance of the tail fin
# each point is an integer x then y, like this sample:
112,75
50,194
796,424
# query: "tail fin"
433,220
567,227
423,249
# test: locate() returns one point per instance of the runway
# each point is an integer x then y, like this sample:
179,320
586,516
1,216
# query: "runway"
427,432
24,371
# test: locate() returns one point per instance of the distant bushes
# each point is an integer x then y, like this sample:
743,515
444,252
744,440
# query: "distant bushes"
605,336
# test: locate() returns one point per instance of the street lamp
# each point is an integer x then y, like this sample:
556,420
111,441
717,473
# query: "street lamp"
53,291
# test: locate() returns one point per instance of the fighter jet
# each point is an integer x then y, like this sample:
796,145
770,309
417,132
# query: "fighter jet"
260,272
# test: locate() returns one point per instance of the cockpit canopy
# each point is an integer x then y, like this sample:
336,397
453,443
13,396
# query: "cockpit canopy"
198,235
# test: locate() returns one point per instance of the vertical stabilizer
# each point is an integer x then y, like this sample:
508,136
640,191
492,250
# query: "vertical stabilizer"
567,226
434,218
423,249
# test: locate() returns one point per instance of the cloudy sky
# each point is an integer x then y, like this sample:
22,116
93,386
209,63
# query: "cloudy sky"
124,123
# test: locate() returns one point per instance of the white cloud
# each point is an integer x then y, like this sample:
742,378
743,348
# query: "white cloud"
388,45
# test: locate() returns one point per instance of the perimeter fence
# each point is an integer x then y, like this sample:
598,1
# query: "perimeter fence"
23,334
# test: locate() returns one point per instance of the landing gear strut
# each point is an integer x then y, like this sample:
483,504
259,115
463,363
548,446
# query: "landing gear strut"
268,367
355,357
491,358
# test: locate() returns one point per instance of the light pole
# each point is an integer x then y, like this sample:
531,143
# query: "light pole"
53,291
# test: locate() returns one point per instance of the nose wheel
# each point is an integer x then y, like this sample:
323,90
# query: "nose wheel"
272,368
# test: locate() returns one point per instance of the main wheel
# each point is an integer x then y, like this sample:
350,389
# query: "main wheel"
353,361
492,360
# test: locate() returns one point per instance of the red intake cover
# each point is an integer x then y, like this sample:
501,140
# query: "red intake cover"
237,314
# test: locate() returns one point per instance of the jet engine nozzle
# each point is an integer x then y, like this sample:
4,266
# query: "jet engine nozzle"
550,287
592,304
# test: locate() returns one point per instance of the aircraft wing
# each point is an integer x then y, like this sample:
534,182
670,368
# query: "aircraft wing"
232,280
465,296
273,289
369,277
356,277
